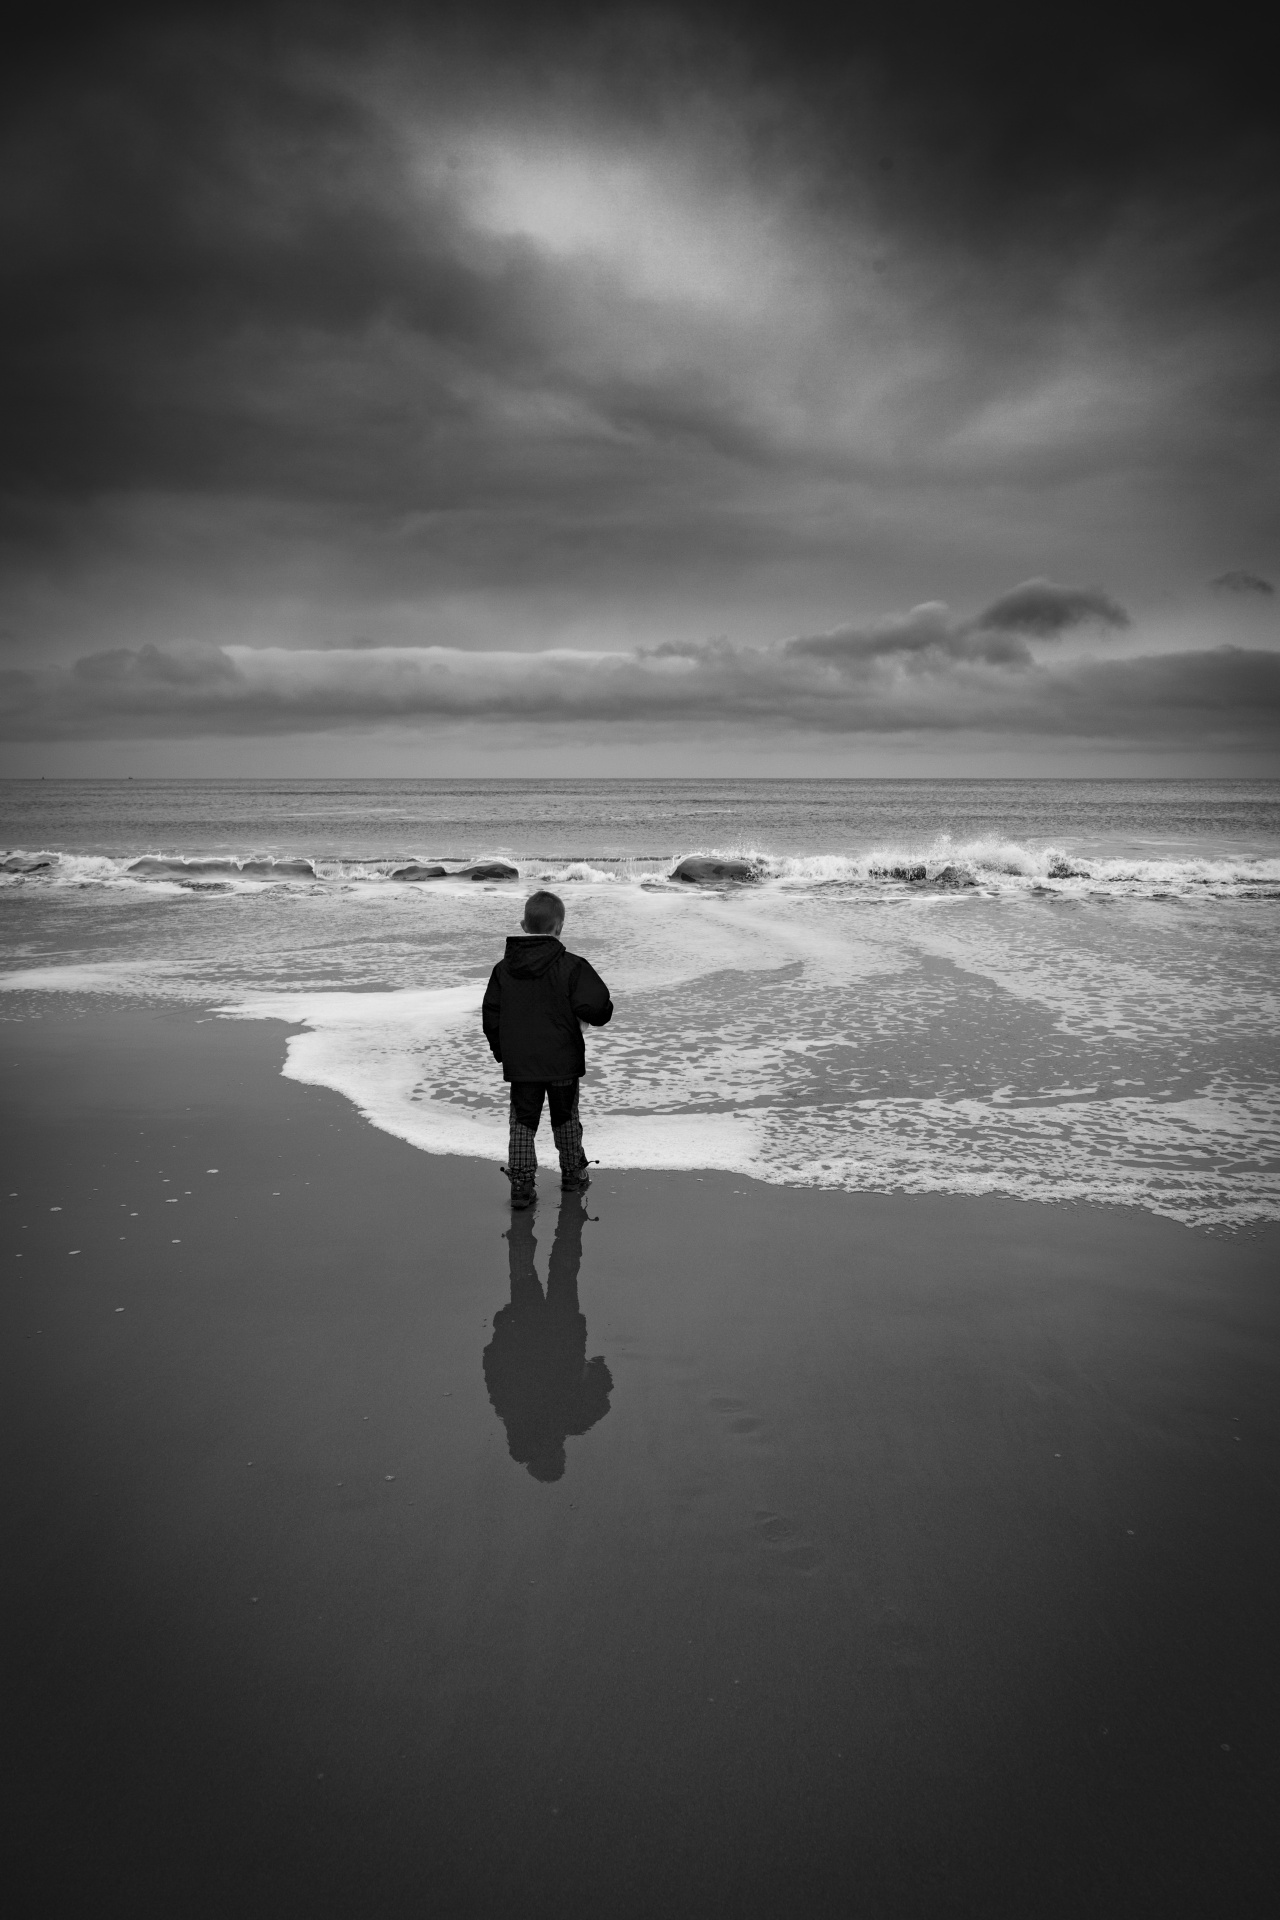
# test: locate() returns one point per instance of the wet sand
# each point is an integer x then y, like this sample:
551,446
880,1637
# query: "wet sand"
859,1554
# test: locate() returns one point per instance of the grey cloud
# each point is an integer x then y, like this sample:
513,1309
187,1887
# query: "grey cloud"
245,288
923,671
1044,610
1238,581
928,635
134,671
920,641
230,276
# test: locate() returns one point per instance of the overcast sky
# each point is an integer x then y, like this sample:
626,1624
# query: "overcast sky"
595,389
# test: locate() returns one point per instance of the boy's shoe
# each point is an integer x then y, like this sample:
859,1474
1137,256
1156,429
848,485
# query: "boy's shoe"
523,1191
578,1181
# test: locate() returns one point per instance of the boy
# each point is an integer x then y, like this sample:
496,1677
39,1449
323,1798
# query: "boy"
535,1005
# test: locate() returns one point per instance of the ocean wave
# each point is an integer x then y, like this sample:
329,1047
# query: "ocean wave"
941,866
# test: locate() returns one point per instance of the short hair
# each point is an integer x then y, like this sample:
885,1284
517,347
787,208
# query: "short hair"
543,912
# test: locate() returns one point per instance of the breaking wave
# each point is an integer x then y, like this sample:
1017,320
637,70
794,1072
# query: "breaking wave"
987,866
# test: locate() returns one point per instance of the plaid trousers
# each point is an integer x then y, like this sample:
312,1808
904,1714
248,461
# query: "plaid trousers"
522,1153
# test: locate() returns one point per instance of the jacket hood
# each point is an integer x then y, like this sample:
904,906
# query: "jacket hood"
529,955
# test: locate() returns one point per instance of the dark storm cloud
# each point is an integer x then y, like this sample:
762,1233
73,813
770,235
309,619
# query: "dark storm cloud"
923,640
921,671
226,267
1039,607
499,325
1240,582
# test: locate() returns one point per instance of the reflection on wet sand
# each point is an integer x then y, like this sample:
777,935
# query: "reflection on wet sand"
541,1383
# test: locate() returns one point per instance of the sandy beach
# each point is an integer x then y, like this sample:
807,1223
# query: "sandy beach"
899,1556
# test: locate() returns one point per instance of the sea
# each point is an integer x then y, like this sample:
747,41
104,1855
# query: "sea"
1064,991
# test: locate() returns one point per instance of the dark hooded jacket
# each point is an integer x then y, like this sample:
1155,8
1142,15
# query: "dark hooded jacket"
536,996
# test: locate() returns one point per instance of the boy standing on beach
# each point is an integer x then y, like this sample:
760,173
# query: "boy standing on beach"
536,1003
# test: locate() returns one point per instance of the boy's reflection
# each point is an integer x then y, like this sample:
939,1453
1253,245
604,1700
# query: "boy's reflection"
540,1381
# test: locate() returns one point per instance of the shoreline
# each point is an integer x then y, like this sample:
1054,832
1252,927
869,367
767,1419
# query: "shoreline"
919,1561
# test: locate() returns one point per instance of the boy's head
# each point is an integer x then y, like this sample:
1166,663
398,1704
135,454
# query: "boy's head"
543,913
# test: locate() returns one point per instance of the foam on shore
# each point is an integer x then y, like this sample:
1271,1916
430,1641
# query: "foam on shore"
1197,1160
377,1050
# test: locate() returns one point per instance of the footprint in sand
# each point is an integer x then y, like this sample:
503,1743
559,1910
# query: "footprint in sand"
735,1412
779,1537
783,1541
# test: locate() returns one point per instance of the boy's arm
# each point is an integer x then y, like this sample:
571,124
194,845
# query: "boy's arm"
589,996
490,1012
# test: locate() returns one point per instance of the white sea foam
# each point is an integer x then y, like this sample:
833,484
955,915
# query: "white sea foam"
378,1049
116,977
1206,1163
408,1061
370,1047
